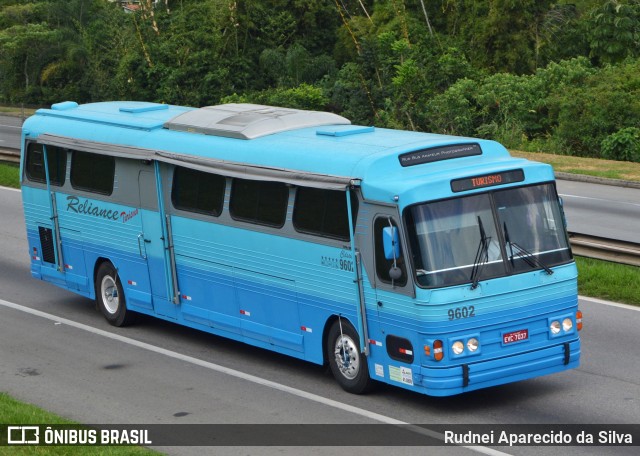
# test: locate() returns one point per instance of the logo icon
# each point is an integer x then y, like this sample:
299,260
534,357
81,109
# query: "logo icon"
23,435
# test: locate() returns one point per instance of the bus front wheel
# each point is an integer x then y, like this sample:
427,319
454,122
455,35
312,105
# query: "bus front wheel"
348,364
110,296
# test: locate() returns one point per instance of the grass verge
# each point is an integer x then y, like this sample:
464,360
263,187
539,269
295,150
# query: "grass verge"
589,166
9,175
16,111
610,281
16,412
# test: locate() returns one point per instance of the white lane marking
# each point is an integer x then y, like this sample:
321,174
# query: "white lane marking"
244,376
9,126
610,303
10,189
600,199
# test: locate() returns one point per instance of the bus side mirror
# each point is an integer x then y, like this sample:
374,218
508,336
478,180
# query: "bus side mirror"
391,242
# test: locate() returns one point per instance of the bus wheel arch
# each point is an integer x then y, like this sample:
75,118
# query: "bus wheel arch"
342,351
109,294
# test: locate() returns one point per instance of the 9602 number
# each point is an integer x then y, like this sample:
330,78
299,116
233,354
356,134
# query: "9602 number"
461,312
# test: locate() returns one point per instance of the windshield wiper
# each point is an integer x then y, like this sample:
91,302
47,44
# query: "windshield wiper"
523,253
482,255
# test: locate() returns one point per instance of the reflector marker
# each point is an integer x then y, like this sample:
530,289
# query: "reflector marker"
375,342
132,282
404,351
245,312
68,266
306,329
187,298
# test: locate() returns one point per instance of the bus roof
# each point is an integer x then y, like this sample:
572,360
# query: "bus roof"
321,148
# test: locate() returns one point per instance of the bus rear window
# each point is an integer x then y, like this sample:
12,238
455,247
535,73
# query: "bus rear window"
56,162
323,212
197,191
264,203
92,172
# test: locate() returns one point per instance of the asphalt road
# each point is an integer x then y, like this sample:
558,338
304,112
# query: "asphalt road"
10,132
602,210
67,359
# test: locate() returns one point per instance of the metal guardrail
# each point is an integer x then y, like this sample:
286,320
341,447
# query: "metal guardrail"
605,249
9,155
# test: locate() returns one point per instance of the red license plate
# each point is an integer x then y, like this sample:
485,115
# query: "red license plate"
515,336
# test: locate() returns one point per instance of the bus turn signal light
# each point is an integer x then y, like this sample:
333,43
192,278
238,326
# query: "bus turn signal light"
579,320
438,353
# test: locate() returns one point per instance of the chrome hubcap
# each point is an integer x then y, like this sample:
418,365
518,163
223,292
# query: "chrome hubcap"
109,292
347,356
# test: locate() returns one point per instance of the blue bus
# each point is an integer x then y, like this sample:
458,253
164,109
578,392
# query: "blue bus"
435,263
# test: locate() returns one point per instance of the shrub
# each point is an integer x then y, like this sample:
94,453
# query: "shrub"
622,145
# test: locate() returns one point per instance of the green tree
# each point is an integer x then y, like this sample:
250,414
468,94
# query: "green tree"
614,32
27,49
607,100
27,44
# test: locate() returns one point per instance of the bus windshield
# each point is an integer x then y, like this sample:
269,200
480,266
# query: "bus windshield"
487,235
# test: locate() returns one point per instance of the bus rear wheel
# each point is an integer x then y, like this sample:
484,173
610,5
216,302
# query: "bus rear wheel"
348,364
110,296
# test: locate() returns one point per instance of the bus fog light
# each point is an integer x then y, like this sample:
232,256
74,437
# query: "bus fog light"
457,347
473,344
554,327
567,324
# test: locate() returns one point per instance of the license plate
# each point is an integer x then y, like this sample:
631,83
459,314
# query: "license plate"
515,336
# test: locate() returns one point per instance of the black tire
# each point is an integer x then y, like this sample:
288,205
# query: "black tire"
110,296
348,365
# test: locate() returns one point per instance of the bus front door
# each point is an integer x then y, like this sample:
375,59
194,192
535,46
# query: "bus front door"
151,244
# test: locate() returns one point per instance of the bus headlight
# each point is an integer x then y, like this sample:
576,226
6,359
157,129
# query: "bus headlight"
473,344
554,327
457,347
567,324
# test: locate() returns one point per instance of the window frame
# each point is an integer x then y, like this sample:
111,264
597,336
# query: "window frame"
219,202
320,233
43,180
233,196
96,190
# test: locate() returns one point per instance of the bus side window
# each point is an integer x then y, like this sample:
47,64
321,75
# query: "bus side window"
263,203
383,265
197,191
92,172
56,162
323,212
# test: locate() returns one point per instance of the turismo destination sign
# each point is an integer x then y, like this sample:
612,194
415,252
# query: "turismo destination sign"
487,180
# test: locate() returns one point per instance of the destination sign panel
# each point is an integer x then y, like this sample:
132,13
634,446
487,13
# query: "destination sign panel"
487,180
439,153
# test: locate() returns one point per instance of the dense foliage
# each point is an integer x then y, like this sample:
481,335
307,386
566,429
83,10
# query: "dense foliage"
559,76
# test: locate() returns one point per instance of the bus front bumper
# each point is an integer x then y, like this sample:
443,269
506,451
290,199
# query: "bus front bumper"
448,381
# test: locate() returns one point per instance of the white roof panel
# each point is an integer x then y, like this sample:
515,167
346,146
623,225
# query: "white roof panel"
249,121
